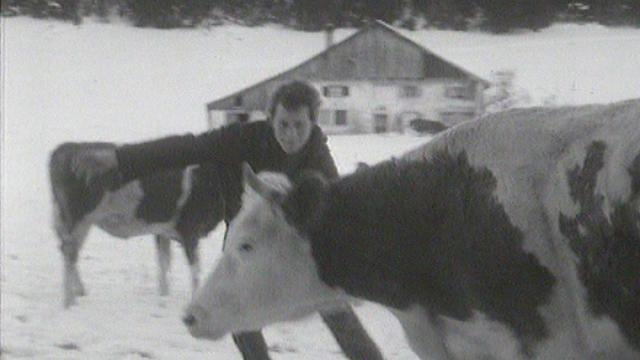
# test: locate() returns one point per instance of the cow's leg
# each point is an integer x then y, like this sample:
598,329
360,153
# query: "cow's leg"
163,250
81,235
71,242
190,246
70,255
350,334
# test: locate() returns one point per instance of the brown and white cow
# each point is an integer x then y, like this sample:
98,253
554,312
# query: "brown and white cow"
182,204
516,236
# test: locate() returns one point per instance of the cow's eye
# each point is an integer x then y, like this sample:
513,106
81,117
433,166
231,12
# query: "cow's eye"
246,247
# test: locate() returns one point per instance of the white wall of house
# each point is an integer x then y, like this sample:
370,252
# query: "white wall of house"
379,106
215,118
372,106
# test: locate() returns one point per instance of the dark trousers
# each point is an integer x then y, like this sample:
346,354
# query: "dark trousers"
343,324
251,345
350,334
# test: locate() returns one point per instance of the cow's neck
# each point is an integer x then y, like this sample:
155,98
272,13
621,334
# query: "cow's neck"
377,230
428,234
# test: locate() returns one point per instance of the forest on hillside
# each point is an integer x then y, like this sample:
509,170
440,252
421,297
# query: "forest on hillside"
495,16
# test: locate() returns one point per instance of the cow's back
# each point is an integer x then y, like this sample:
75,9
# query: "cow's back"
593,201
569,178
178,203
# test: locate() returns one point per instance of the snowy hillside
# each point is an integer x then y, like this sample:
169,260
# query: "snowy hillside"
570,63
117,83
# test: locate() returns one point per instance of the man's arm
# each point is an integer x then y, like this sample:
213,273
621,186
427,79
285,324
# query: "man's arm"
227,144
137,160
120,165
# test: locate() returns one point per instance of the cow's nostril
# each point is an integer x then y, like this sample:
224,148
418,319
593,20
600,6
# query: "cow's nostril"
189,320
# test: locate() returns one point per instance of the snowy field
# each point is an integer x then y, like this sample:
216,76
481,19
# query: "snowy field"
118,83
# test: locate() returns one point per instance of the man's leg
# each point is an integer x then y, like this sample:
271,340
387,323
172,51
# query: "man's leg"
251,345
350,334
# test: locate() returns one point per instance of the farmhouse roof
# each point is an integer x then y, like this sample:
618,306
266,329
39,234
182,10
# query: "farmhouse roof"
351,59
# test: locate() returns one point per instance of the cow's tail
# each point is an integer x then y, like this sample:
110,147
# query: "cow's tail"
60,175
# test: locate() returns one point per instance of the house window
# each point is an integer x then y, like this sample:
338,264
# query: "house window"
335,91
409,91
460,92
341,117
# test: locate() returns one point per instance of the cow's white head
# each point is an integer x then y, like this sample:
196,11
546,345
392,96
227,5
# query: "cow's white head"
266,273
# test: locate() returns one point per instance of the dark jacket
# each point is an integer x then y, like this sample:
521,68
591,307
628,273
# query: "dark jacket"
227,148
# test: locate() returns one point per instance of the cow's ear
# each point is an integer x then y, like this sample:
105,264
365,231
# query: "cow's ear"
253,181
306,202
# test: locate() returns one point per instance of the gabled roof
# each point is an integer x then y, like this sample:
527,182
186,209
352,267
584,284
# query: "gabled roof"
390,28
304,69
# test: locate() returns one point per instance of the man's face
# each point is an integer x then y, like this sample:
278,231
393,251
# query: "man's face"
292,128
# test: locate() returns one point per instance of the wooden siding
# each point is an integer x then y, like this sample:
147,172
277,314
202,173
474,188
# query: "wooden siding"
374,55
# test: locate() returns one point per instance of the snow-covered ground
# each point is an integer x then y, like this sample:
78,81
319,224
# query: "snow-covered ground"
119,83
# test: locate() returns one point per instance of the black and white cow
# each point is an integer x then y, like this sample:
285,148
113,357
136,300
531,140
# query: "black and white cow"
516,236
182,204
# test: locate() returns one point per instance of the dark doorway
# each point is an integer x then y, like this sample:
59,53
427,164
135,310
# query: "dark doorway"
380,123
341,117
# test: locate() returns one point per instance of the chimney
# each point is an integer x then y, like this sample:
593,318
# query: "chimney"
328,32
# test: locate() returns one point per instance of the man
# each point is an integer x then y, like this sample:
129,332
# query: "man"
289,141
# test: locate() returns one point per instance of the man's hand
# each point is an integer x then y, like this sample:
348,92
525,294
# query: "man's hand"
96,165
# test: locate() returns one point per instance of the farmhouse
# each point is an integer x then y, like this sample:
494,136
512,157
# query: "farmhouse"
376,80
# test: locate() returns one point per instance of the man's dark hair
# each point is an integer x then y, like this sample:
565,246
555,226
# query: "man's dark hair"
294,95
